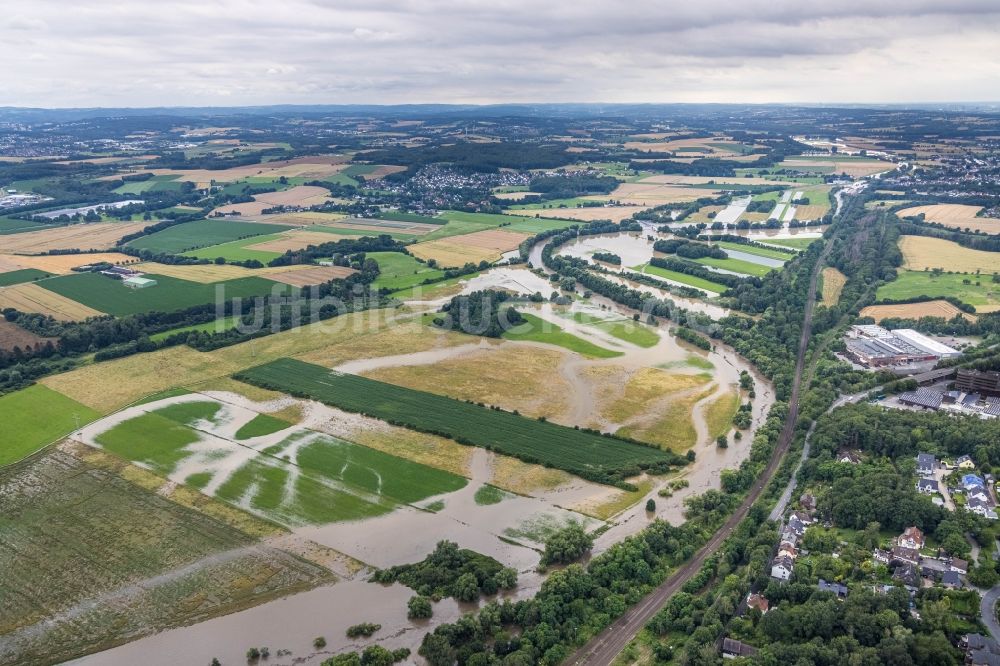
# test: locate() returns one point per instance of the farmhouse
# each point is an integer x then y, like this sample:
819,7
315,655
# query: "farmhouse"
138,282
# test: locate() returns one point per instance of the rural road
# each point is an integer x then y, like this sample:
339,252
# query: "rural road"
986,610
603,648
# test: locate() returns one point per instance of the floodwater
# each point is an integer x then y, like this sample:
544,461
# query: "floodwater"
633,247
755,258
409,533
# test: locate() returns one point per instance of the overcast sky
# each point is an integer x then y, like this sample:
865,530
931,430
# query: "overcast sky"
57,53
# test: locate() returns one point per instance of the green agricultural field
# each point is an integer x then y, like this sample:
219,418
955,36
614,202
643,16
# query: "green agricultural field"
683,278
794,243
534,225
202,233
399,216
355,232
238,250
76,535
160,183
912,284
168,295
736,266
586,454
466,223
217,326
36,416
553,204
638,334
753,249
158,439
401,271
305,478
10,225
261,425
24,275
539,330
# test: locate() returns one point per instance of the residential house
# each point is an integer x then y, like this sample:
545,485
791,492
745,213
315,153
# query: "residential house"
796,525
912,537
927,486
781,567
902,554
965,462
803,517
836,588
972,481
958,565
908,575
951,580
980,506
788,550
883,556
980,650
732,648
926,464
759,602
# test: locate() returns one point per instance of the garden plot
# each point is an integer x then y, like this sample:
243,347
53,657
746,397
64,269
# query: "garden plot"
294,476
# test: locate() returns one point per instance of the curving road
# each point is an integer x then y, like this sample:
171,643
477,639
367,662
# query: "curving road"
603,648
987,606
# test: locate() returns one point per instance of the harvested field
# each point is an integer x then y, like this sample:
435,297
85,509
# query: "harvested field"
12,335
853,168
113,384
96,236
920,252
301,195
65,263
648,193
487,245
942,309
161,564
32,298
676,179
306,218
584,214
956,216
313,167
591,456
833,284
293,240
543,390
810,212
514,196
209,273
310,276
385,226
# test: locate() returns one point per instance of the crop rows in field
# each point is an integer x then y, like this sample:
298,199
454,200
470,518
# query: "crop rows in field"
589,455
181,237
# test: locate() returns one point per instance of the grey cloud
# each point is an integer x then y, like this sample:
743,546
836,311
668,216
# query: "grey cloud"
370,51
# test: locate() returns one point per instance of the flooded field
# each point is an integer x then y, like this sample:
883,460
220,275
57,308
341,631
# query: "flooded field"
656,388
